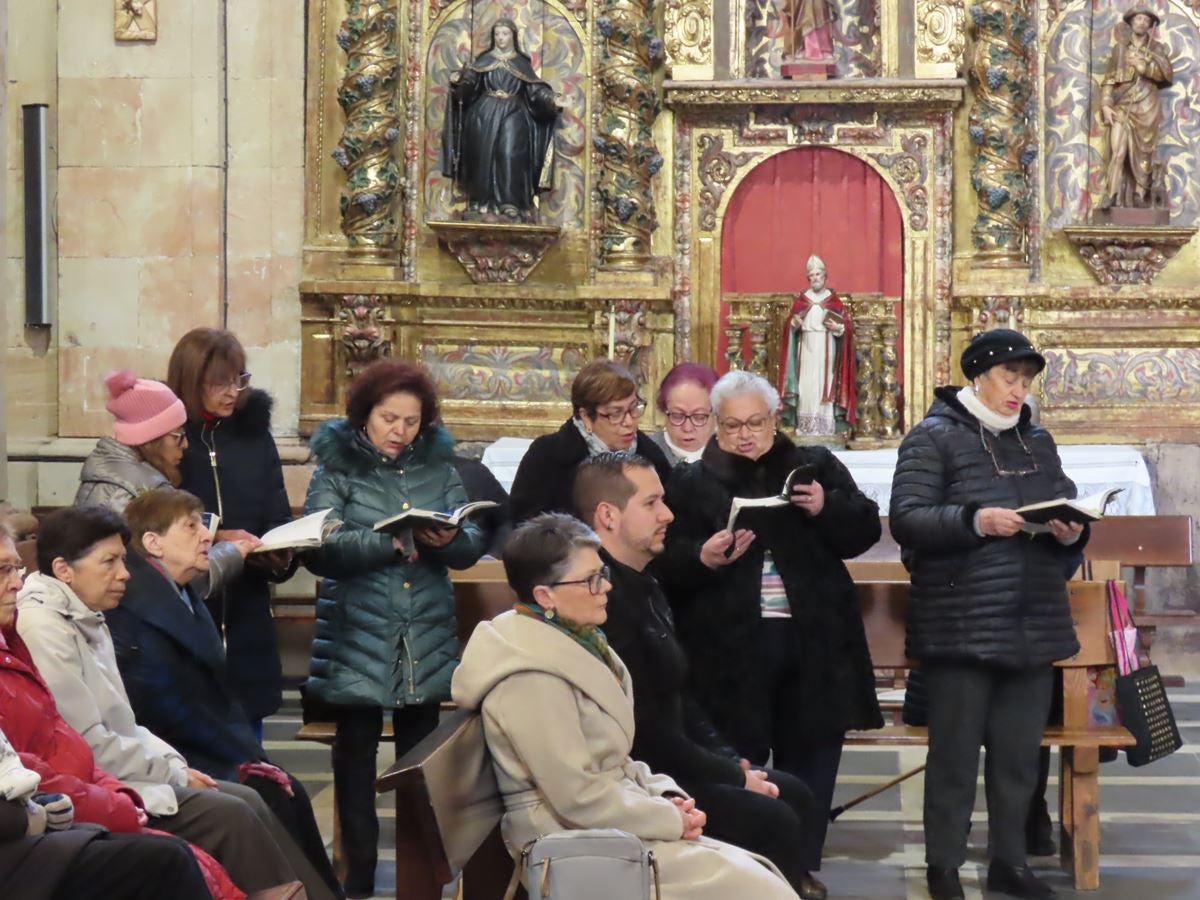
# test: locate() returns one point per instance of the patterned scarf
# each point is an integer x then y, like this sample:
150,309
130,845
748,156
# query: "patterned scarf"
595,446
590,637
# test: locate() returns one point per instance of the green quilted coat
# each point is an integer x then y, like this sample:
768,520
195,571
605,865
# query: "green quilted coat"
386,632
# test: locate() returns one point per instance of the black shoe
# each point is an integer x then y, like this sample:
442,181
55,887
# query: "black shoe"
1018,881
812,889
943,883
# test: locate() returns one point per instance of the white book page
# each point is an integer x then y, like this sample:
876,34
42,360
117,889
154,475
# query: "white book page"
307,531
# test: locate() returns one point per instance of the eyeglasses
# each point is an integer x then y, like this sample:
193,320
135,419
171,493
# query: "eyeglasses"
620,415
180,437
595,583
237,385
755,424
1009,473
697,419
11,571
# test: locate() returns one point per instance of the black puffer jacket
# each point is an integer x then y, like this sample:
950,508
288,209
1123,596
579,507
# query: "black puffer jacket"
1000,601
718,612
249,481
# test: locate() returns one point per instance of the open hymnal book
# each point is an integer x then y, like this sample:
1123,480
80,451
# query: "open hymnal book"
304,533
799,475
1082,510
417,518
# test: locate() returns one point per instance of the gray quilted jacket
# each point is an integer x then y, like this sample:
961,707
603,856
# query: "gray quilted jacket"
114,473
386,629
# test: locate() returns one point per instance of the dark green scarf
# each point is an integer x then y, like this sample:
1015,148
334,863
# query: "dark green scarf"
590,637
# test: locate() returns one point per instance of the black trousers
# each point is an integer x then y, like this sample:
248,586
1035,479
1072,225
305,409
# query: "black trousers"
295,813
812,759
971,706
776,828
354,750
133,867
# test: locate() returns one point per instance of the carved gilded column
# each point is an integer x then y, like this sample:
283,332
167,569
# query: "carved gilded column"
998,126
890,401
631,51
735,335
759,348
867,360
367,96
877,374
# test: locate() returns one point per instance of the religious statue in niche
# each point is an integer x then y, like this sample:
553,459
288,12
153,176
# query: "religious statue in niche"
498,134
135,20
1131,108
810,40
817,362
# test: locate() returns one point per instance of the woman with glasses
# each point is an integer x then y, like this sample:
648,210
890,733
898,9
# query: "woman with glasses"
988,613
768,609
387,637
557,708
683,399
230,462
607,410
145,452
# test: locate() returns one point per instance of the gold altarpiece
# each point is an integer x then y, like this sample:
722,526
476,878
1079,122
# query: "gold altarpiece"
670,106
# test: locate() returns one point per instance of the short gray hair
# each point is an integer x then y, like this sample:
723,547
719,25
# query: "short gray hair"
540,550
738,382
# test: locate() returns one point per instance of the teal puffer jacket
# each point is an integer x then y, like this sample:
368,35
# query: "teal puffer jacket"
386,633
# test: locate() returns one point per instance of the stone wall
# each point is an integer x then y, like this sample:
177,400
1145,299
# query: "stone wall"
177,173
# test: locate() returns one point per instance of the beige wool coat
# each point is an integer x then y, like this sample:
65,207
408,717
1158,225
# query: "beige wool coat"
559,726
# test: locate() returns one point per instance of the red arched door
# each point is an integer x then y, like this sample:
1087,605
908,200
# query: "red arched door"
805,201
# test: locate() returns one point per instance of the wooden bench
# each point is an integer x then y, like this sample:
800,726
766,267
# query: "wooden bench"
1140,543
884,609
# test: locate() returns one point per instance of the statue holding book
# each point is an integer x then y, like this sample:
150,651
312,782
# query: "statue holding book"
1130,106
816,372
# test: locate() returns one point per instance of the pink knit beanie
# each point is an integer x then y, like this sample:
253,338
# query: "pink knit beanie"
144,409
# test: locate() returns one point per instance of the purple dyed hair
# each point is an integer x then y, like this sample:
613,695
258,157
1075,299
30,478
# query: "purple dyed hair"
697,373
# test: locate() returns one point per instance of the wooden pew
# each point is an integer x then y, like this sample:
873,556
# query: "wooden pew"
1142,542
448,811
884,610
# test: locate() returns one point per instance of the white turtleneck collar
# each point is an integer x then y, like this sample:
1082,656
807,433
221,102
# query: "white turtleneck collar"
989,419
690,456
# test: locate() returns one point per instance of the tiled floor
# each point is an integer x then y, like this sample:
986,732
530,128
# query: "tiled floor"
1150,837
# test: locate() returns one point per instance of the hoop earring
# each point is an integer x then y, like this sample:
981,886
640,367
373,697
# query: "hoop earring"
549,615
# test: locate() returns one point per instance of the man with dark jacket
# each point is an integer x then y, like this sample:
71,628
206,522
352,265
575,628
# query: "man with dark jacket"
620,495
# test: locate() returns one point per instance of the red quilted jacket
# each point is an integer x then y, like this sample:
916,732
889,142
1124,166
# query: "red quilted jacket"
52,748
49,746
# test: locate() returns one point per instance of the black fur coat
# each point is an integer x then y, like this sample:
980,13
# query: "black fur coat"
718,612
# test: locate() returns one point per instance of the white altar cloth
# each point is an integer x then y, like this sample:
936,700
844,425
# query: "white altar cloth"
1093,468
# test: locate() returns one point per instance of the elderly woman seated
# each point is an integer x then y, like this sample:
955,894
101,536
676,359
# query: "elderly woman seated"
63,607
173,666
557,708
64,766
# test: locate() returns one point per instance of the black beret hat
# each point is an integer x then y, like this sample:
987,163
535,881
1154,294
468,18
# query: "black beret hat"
1000,345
